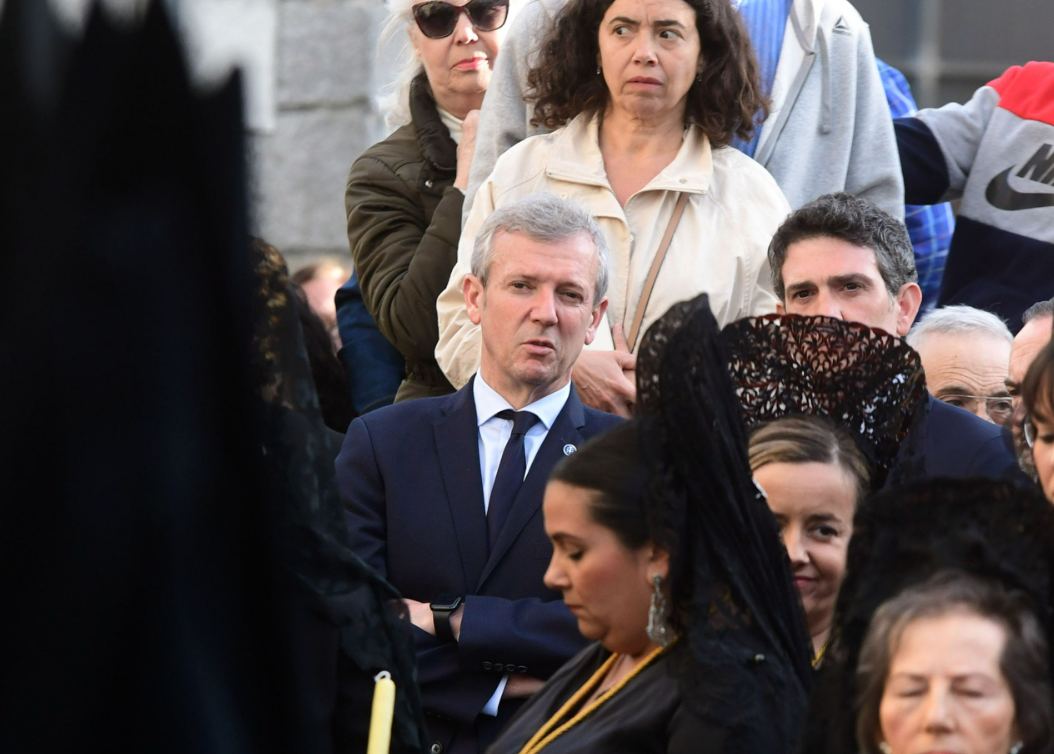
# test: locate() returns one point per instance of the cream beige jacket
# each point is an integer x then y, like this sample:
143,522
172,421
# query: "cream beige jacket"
720,246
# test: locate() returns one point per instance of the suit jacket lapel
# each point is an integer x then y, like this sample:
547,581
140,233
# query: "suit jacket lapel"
457,444
565,431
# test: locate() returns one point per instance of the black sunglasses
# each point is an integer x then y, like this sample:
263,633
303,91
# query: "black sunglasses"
437,19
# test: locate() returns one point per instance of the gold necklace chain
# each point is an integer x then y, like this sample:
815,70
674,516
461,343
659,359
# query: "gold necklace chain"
547,735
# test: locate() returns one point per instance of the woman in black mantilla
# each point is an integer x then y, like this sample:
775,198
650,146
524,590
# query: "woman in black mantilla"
670,560
830,406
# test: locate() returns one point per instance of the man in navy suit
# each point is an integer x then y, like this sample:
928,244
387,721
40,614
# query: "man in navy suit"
444,495
843,257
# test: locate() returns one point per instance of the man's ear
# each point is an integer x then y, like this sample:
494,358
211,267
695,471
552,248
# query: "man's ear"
907,301
596,318
475,298
780,308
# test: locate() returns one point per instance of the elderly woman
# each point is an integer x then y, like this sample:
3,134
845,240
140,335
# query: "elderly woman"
645,96
404,195
956,663
1037,397
671,563
813,475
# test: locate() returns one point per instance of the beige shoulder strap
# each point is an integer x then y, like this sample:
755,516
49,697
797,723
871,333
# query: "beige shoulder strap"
653,273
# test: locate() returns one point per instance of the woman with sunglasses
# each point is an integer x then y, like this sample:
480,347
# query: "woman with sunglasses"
404,195
1037,396
645,97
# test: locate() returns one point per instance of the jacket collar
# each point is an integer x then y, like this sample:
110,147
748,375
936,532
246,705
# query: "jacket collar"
575,157
432,136
805,19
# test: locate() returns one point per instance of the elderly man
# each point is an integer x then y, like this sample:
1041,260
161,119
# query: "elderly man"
444,495
843,257
965,352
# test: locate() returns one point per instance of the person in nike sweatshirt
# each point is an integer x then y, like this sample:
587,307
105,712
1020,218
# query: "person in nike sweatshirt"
829,127
996,154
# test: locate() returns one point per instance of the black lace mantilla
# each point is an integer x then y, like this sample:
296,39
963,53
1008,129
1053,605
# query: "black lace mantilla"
743,664
868,381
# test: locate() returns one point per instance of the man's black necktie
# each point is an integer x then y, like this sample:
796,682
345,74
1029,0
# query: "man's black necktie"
511,470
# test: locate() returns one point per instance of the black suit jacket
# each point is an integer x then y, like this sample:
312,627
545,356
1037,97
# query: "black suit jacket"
409,477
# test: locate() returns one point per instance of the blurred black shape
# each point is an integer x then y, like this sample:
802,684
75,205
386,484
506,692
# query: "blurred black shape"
172,576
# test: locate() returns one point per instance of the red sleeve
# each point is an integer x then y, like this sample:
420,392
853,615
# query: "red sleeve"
1028,91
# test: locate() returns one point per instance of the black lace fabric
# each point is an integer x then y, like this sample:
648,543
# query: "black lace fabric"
367,613
991,529
868,381
744,662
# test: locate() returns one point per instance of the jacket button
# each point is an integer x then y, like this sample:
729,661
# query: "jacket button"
436,748
488,665
428,183
521,669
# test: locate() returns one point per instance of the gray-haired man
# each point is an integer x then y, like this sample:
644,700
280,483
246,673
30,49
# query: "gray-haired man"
965,352
444,494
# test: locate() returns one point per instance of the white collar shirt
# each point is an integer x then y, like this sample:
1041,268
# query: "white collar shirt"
494,432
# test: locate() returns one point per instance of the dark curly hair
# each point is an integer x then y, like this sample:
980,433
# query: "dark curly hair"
724,102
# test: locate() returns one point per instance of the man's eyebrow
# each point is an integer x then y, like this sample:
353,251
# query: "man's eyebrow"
624,20
670,22
954,390
852,277
800,285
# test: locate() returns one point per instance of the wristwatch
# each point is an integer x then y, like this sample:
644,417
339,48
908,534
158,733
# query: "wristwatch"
442,607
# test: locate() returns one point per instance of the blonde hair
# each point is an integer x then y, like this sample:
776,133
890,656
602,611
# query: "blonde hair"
805,438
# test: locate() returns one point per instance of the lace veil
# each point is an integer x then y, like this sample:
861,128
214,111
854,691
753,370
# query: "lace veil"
867,381
299,451
744,663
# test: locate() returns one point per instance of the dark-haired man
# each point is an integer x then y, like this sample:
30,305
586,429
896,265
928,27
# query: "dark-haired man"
841,256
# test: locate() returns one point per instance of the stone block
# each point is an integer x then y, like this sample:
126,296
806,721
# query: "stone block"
298,175
326,51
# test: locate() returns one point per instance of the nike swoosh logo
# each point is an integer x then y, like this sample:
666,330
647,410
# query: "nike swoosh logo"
1001,196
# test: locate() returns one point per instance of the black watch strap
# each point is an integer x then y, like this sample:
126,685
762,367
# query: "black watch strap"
441,611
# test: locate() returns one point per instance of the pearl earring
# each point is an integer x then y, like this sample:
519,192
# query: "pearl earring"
885,748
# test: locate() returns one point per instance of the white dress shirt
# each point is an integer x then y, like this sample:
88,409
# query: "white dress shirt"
494,433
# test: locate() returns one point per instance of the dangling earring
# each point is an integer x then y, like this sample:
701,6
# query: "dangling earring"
598,70
884,747
658,628
1016,748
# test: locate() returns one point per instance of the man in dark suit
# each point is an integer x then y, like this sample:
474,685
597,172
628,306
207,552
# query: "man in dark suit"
843,257
444,495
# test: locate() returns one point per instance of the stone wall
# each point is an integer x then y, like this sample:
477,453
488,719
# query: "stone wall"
326,76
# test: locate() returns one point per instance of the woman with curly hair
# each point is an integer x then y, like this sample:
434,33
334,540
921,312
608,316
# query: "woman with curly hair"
646,96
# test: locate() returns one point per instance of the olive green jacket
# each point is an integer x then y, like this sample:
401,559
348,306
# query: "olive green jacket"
404,222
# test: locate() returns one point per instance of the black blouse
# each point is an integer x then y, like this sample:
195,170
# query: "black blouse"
644,716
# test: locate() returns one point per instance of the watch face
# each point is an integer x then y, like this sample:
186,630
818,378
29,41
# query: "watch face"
446,602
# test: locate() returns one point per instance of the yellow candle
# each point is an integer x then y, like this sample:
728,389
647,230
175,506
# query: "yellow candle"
381,716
